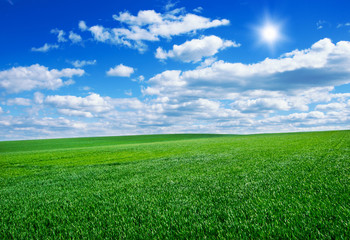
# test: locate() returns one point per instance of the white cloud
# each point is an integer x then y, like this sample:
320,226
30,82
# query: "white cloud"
82,26
75,38
1,111
19,79
196,49
85,88
343,25
334,106
149,25
261,105
143,18
38,97
215,97
324,64
320,24
82,63
19,101
100,33
198,10
141,78
128,92
80,106
60,35
169,5
45,48
184,24
120,71
75,113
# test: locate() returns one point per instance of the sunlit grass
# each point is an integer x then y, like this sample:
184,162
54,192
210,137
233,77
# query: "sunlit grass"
177,187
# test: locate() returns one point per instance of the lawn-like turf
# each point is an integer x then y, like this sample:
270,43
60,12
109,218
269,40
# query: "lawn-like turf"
272,186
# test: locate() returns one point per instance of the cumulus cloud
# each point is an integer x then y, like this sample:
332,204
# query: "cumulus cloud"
82,63
294,92
19,79
47,47
19,101
261,105
79,106
196,49
149,25
100,33
143,18
60,35
120,71
93,105
324,64
82,26
334,106
75,38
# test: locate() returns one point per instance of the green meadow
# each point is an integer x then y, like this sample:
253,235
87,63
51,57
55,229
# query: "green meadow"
181,186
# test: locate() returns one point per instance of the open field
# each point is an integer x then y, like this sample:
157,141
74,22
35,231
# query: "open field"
294,185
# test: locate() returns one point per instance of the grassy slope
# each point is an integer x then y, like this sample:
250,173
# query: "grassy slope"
193,186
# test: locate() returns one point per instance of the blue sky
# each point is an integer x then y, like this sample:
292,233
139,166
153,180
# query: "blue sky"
101,68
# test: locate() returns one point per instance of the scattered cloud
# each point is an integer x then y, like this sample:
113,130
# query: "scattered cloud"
170,5
38,97
148,25
322,24
343,25
60,35
334,106
120,71
82,26
128,92
19,79
19,101
82,63
196,49
80,106
75,38
207,62
100,33
141,78
324,64
86,88
47,47
198,10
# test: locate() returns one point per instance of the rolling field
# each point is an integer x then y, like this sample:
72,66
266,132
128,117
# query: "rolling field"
195,186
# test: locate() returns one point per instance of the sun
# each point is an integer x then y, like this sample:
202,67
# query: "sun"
269,33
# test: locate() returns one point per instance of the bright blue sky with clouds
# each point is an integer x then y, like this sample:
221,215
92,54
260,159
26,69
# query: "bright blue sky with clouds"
96,68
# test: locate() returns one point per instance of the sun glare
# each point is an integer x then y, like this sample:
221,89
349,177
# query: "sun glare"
269,33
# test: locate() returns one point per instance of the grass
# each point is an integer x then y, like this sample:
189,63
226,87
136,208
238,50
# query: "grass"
177,187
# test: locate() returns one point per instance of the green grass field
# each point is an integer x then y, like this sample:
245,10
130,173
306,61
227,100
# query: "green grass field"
273,186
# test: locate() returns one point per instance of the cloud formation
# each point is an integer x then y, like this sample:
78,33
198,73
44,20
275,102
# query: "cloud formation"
19,101
82,63
60,35
120,71
324,64
19,79
196,49
79,106
149,25
47,47
75,38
